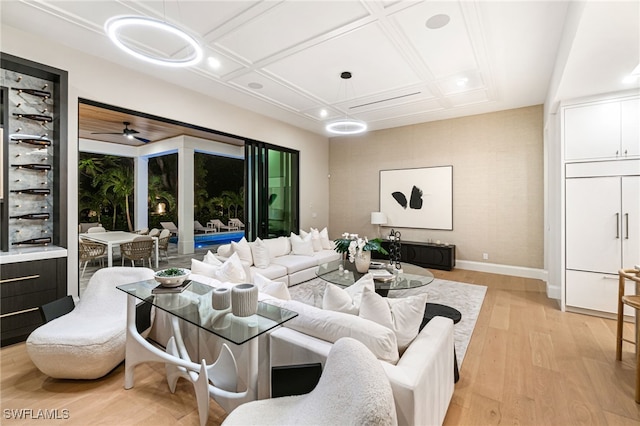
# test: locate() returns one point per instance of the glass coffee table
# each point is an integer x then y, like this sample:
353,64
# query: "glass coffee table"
343,273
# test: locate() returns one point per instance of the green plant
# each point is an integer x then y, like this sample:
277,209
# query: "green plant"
352,244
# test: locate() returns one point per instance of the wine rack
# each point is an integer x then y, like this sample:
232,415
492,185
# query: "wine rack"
34,154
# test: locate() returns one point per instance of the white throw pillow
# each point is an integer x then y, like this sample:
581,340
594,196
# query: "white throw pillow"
230,271
243,249
211,259
347,299
301,246
331,326
225,251
326,243
260,252
276,289
315,240
402,315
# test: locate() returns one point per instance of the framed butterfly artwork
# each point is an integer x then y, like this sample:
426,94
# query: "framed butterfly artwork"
418,198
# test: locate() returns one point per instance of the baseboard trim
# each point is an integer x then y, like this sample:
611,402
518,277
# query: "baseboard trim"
494,268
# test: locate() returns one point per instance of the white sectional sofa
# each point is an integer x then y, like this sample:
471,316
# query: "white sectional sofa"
280,259
421,377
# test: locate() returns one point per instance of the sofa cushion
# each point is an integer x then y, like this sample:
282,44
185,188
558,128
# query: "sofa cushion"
260,252
326,243
243,249
211,259
231,270
324,256
301,246
225,251
402,315
347,299
276,289
315,238
280,246
295,263
273,272
331,326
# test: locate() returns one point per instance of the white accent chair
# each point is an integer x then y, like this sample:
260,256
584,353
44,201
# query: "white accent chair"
89,341
353,389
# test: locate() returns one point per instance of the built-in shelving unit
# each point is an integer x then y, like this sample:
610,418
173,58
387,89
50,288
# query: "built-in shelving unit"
33,226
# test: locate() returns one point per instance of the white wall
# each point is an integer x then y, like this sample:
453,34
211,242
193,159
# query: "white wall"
92,78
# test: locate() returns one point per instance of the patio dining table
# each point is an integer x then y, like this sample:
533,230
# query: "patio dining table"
116,238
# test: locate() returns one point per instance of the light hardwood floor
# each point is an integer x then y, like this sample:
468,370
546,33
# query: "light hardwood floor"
528,363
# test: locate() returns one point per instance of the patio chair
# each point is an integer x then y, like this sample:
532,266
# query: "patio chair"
140,248
170,226
197,227
96,229
155,232
163,243
89,251
218,225
237,223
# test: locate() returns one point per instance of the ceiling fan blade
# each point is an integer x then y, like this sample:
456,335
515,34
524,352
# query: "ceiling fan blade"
106,133
142,139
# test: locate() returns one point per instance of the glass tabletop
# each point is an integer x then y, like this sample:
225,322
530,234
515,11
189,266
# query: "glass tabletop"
343,273
194,305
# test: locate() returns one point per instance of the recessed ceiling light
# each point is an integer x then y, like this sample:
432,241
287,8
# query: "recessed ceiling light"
114,25
462,82
323,113
213,62
437,21
255,85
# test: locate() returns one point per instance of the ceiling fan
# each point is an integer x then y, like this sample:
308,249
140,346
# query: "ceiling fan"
126,132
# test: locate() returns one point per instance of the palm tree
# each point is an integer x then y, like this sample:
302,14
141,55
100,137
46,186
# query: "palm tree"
119,182
158,191
232,200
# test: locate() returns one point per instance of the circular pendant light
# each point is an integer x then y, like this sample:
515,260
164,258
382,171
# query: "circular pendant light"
346,126
114,25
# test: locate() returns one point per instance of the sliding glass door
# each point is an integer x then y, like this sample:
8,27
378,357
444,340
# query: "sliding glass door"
272,190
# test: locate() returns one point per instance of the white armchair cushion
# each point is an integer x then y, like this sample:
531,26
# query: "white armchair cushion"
277,289
243,249
260,252
402,315
347,299
331,325
301,246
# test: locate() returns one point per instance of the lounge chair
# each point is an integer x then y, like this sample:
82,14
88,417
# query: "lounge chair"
237,223
170,226
197,227
218,225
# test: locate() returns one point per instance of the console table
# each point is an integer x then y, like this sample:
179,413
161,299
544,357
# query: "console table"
427,255
219,379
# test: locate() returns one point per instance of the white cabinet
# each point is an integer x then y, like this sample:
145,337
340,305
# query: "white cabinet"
602,235
601,130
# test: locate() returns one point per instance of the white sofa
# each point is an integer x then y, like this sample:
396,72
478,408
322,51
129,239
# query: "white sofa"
422,379
284,263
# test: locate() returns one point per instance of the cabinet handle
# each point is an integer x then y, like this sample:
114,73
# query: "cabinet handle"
10,314
11,280
626,220
617,225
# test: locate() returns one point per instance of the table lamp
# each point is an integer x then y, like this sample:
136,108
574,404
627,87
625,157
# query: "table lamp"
378,218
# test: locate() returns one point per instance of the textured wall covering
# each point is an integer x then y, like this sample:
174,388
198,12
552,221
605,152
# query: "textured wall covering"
498,182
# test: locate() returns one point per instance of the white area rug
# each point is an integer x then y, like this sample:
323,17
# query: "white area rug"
467,298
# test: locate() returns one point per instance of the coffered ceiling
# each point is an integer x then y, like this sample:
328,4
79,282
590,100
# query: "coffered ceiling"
283,59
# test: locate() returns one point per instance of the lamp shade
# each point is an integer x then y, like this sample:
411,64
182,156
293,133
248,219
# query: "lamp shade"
378,218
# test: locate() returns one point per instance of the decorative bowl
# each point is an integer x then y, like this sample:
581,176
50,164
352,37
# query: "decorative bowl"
172,277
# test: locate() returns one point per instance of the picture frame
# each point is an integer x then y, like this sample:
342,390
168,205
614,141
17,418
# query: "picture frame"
418,197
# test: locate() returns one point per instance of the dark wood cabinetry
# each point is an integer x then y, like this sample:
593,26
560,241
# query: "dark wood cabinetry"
24,286
427,255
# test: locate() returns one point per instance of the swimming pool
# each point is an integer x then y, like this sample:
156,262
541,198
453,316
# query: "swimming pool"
213,238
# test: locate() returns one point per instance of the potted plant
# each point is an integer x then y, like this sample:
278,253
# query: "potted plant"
359,249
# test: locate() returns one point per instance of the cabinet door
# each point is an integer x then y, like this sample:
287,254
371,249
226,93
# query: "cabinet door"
630,128
593,224
630,221
592,131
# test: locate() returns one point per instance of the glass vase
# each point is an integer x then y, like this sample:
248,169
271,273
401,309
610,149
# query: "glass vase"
362,261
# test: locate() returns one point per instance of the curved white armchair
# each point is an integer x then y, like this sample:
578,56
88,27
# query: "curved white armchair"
353,389
89,341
